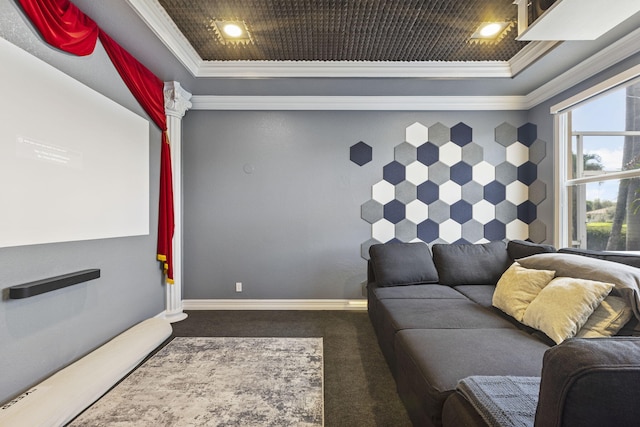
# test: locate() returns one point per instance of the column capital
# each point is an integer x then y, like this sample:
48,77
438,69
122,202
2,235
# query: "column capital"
176,99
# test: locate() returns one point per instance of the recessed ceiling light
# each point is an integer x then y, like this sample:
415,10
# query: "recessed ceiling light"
231,32
491,32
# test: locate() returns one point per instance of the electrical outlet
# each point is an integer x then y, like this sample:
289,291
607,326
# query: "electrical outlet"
238,286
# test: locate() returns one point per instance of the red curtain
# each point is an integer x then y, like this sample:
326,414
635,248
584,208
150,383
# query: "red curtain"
66,27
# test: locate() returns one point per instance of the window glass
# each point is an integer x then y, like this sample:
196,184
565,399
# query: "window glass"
601,180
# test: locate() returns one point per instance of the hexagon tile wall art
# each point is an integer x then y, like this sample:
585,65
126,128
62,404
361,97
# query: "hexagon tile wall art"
360,153
442,188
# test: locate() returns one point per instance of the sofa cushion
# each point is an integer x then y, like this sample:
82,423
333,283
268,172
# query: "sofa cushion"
470,264
564,305
480,294
608,319
625,278
520,248
402,264
399,314
517,287
430,362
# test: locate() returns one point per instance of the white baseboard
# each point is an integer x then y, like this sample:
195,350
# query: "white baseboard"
274,304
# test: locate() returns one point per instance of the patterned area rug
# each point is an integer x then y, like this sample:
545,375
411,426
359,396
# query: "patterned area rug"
219,382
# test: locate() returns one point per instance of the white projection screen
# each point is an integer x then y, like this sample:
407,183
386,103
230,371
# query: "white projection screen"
74,165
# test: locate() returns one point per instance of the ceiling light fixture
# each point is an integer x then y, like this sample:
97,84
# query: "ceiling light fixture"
491,32
231,32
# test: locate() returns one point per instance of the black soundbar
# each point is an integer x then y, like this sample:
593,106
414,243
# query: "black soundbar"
51,284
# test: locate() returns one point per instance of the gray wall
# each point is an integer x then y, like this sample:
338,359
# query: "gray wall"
292,227
41,334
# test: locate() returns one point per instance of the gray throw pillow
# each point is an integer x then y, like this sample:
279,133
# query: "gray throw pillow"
402,264
470,264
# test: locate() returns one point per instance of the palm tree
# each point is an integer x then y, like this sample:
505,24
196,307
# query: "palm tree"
629,188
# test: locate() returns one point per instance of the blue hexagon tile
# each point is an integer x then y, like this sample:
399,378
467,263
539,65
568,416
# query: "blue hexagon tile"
443,186
360,153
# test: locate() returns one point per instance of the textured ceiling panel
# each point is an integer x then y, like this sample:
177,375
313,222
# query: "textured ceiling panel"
347,30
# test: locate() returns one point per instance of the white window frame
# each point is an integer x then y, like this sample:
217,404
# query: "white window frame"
563,138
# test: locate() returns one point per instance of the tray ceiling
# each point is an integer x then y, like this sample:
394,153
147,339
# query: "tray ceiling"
347,30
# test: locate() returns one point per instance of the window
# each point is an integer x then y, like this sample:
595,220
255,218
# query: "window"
598,166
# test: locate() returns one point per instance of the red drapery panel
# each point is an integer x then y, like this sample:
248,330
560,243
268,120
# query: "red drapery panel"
63,25
66,27
149,91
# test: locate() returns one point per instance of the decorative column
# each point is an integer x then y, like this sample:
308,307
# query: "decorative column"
176,104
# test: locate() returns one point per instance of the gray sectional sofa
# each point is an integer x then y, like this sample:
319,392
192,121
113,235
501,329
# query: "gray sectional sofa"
442,337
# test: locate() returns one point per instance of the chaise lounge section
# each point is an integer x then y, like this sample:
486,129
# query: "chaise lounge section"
436,322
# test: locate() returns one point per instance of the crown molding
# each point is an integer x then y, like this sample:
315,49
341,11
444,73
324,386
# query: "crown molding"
347,69
530,54
157,19
611,55
359,103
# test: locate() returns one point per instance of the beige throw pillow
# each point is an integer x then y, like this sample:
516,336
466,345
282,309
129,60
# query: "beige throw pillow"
610,316
517,287
564,306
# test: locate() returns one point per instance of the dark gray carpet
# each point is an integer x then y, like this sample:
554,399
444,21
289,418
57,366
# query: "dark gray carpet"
358,387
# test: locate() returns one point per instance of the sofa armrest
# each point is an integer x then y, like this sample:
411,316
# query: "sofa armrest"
590,382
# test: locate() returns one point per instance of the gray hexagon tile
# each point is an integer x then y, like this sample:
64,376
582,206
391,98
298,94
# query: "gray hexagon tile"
439,134
405,153
537,151
472,153
506,134
473,231
537,231
372,211
472,192
439,173
406,231
406,192
364,248
506,173
506,212
537,192
439,211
